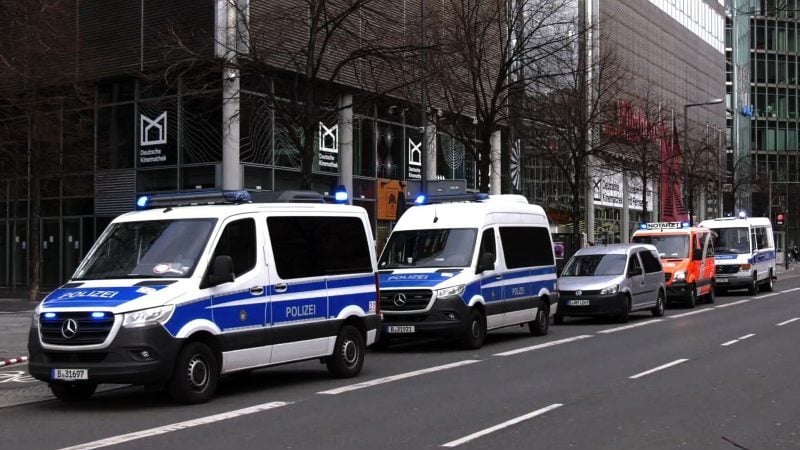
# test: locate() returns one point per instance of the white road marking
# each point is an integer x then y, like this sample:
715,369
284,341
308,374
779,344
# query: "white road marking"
627,327
730,343
788,321
545,345
648,372
176,426
500,426
768,295
733,303
746,336
691,313
397,377
790,290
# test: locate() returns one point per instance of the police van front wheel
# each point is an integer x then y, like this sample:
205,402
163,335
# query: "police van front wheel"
73,392
348,354
196,374
476,330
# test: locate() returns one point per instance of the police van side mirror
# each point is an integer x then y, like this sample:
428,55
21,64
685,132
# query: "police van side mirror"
221,271
486,262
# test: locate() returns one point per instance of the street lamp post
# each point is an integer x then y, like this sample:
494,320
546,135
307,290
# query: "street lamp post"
686,138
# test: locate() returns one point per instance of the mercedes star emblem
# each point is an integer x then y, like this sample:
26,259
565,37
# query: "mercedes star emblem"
399,299
69,328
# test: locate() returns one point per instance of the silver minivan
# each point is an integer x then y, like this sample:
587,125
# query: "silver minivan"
612,281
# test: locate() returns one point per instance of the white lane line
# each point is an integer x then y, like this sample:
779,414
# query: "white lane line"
691,313
746,336
176,426
733,303
500,426
790,290
788,321
545,345
397,377
628,327
730,343
656,369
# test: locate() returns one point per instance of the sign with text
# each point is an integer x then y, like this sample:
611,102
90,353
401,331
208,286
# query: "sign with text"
328,146
155,148
414,160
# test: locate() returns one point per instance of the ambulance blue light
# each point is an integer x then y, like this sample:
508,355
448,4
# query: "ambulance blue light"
420,200
98,315
481,196
142,202
340,195
742,215
684,224
642,226
49,315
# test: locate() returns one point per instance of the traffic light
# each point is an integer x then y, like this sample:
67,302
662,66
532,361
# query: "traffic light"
779,218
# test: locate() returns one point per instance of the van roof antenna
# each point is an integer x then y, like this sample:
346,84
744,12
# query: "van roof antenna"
435,214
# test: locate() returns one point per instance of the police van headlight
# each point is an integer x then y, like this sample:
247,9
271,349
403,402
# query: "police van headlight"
146,317
680,275
610,290
452,291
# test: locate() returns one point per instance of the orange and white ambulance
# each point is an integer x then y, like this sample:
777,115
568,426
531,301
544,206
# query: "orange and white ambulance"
687,254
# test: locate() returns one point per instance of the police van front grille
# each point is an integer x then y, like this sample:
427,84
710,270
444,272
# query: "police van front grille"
727,269
408,300
84,330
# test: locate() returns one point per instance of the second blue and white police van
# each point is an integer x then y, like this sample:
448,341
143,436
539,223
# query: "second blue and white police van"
458,269
177,295
744,253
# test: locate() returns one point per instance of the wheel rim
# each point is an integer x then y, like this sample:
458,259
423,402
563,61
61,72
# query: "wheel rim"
476,329
350,353
197,373
660,304
542,318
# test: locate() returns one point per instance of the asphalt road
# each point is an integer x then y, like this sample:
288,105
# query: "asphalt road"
720,376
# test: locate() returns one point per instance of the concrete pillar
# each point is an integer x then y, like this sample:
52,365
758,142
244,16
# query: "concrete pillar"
430,152
494,177
346,144
626,220
231,166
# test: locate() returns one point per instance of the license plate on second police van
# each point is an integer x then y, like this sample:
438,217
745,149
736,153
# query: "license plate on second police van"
399,329
579,302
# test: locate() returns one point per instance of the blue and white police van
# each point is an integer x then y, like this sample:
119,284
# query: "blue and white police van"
744,253
459,269
192,287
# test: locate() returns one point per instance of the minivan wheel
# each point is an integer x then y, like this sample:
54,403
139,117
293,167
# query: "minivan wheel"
73,392
753,288
712,293
196,374
476,330
348,353
625,309
539,325
658,310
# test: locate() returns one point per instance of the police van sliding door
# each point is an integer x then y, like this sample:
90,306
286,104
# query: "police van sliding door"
240,307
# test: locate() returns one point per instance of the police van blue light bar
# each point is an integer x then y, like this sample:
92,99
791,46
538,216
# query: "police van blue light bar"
207,197
420,200
340,195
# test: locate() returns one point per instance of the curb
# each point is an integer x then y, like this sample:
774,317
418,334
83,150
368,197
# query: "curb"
18,360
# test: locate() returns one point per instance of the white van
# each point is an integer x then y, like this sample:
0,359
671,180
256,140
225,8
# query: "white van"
177,295
459,269
744,253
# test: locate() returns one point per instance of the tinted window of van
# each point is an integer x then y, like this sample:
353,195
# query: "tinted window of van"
238,241
526,246
650,262
316,246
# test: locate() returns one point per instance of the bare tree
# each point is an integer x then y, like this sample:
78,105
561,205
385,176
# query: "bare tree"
485,56
295,54
564,123
36,64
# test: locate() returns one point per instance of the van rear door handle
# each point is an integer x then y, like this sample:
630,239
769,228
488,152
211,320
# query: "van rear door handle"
257,290
281,287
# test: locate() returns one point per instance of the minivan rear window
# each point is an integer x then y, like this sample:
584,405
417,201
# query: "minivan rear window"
594,265
674,246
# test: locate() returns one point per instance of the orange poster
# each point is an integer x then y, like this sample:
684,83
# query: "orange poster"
390,192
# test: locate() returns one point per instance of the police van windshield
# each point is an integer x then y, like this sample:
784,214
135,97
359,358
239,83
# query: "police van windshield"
149,249
429,248
731,240
675,246
594,265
